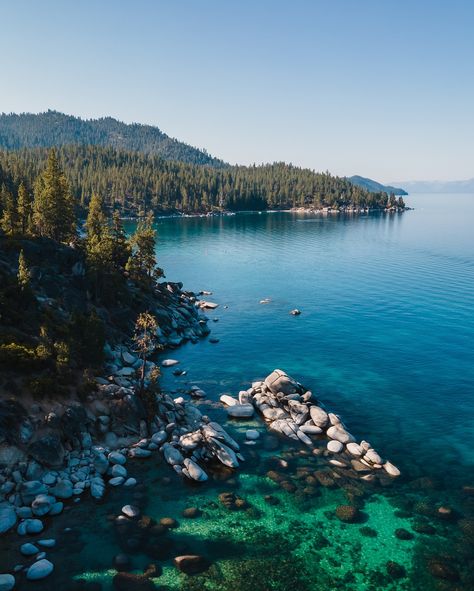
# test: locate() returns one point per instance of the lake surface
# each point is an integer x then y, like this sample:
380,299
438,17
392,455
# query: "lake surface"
386,332
385,338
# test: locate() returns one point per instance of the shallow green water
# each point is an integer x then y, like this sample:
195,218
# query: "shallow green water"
385,338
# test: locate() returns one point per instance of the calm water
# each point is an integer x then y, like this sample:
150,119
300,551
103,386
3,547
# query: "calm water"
386,332
385,338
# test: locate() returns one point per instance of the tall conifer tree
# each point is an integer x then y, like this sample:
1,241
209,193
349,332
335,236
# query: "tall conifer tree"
25,209
53,208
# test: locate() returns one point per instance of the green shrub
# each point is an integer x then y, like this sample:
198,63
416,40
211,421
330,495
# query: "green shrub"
46,387
19,358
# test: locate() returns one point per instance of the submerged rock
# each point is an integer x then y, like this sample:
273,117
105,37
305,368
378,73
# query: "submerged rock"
395,570
442,568
169,362
39,570
348,513
240,411
191,564
130,582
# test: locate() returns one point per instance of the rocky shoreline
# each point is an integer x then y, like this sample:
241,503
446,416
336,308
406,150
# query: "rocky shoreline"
54,452
348,209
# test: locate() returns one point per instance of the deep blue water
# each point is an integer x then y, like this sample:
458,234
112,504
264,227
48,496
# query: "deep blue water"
386,332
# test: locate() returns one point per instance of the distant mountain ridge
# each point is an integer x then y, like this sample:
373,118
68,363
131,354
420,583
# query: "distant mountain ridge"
51,128
374,186
466,186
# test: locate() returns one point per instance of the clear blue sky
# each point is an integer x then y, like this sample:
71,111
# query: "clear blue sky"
382,88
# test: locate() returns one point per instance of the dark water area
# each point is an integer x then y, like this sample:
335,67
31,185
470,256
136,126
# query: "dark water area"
385,339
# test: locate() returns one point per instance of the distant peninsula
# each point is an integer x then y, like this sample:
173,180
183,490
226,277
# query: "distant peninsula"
137,168
375,187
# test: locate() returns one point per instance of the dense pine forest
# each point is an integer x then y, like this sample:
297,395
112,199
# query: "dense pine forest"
133,183
27,130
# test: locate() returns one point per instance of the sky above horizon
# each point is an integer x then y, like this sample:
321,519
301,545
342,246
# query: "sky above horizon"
384,89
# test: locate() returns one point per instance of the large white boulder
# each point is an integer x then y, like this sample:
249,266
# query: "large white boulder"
194,470
279,381
318,416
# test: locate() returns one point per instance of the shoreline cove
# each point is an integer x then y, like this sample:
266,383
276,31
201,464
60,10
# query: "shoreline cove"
224,529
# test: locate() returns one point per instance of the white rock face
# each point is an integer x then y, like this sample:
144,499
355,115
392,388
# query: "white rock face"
372,456
334,419
391,469
354,449
311,429
228,400
338,433
240,411
131,511
39,570
130,482
7,582
279,381
169,362
172,455
194,470
319,416
335,446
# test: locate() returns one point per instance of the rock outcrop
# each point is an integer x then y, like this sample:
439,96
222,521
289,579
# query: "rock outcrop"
292,411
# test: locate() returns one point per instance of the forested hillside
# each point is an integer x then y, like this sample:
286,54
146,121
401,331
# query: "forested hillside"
374,186
52,128
133,182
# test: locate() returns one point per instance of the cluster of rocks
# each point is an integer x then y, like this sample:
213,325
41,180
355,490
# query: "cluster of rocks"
290,410
179,320
137,533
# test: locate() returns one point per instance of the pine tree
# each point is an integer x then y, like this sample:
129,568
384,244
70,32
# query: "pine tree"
99,246
145,340
120,245
9,218
53,208
24,209
24,274
142,262
96,222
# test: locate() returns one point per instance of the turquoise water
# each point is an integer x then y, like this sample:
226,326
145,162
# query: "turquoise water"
385,339
386,332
